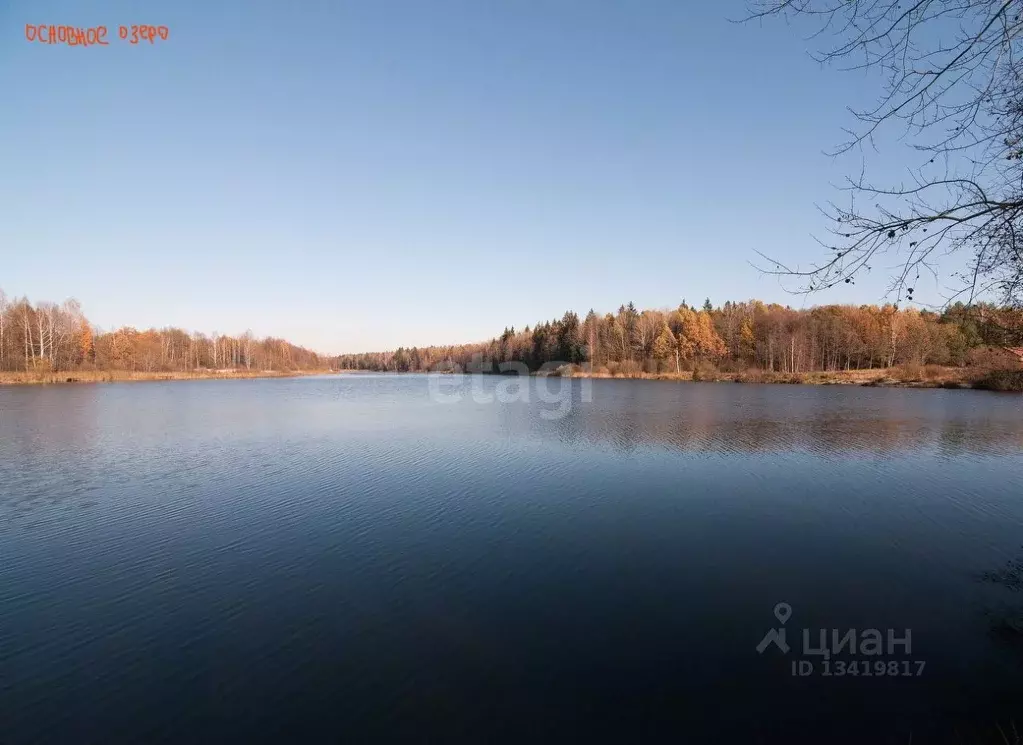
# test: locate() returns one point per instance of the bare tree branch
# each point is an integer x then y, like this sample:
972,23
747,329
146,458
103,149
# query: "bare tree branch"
952,88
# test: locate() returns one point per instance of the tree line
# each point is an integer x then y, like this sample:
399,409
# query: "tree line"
735,337
58,337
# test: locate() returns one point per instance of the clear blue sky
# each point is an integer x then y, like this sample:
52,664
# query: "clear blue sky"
359,175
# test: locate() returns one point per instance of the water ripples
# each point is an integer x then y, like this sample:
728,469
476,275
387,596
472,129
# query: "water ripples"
176,552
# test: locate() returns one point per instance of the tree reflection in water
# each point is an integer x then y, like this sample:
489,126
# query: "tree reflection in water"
1007,618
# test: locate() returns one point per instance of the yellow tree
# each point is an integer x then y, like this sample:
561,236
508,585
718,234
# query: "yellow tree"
710,343
747,339
665,345
84,340
697,337
688,330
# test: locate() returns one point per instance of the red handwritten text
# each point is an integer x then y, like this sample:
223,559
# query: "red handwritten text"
135,34
75,36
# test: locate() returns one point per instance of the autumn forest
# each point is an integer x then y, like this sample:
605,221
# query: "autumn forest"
47,337
735,337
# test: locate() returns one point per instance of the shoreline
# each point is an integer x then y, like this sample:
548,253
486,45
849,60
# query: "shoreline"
922,377
129,376
930,377
893,377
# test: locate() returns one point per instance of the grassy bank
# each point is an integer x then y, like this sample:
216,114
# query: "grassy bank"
913,376
120,376
909,376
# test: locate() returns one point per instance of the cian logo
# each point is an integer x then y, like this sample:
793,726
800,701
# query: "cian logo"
783,612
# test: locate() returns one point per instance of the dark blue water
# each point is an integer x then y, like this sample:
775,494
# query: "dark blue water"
379,558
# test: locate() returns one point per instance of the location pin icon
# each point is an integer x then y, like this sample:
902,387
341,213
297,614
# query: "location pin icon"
783,611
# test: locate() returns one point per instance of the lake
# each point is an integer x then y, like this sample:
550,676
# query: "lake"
370,558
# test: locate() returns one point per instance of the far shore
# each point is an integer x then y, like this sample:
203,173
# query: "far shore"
910,376
929,376
125,376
